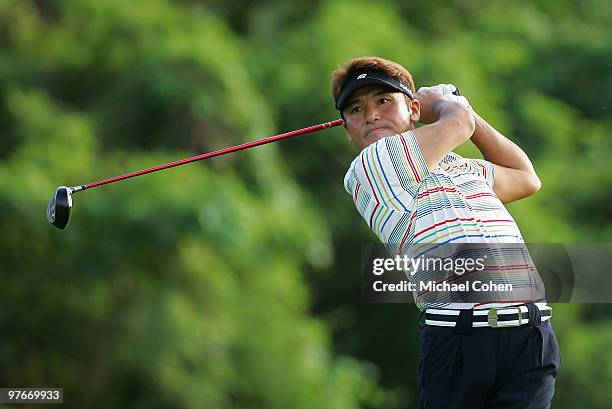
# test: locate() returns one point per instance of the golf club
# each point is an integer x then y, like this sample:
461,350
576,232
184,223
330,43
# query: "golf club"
60,205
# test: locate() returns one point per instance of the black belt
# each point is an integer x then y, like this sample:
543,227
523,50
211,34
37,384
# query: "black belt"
499,317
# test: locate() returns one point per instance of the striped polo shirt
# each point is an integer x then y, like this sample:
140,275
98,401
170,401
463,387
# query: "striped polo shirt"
408,206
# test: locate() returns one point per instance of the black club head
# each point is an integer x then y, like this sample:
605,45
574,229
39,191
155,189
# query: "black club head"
60,205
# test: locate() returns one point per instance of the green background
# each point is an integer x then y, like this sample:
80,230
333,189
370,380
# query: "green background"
235,283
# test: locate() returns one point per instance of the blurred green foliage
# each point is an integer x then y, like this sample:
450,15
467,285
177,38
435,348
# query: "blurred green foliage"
235,283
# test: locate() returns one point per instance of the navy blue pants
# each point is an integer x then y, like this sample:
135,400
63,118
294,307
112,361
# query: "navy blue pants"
488,368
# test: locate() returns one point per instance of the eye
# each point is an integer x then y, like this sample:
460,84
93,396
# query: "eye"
355,109
382,101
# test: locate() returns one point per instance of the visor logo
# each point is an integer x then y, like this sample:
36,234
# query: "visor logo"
361,76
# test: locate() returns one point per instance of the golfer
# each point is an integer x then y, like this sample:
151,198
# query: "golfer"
410,188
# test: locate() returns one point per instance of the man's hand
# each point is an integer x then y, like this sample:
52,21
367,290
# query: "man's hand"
451,92
430,98
430,104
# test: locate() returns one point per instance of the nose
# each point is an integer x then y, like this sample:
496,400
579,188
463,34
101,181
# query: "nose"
372,114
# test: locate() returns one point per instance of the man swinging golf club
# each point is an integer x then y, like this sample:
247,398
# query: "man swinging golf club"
410,188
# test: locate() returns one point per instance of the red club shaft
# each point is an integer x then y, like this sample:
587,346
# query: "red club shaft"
219,152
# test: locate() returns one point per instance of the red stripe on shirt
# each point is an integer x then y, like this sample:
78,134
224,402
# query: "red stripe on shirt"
463,220
410,162
407,233
479,195
369,181
372,215
436,189
484,170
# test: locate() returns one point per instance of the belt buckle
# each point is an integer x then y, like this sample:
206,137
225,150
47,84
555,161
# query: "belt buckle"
492,317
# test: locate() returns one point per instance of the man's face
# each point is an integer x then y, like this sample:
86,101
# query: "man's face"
374,112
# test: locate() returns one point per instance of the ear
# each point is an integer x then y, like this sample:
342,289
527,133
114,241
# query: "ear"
415,110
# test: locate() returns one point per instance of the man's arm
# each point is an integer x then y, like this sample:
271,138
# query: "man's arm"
515,177
450,124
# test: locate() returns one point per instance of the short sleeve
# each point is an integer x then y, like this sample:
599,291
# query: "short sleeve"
479,167
390,170
350,179
483,168
361,197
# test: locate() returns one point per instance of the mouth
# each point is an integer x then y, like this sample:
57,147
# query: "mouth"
374,130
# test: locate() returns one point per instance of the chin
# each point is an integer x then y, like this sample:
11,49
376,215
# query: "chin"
377,135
